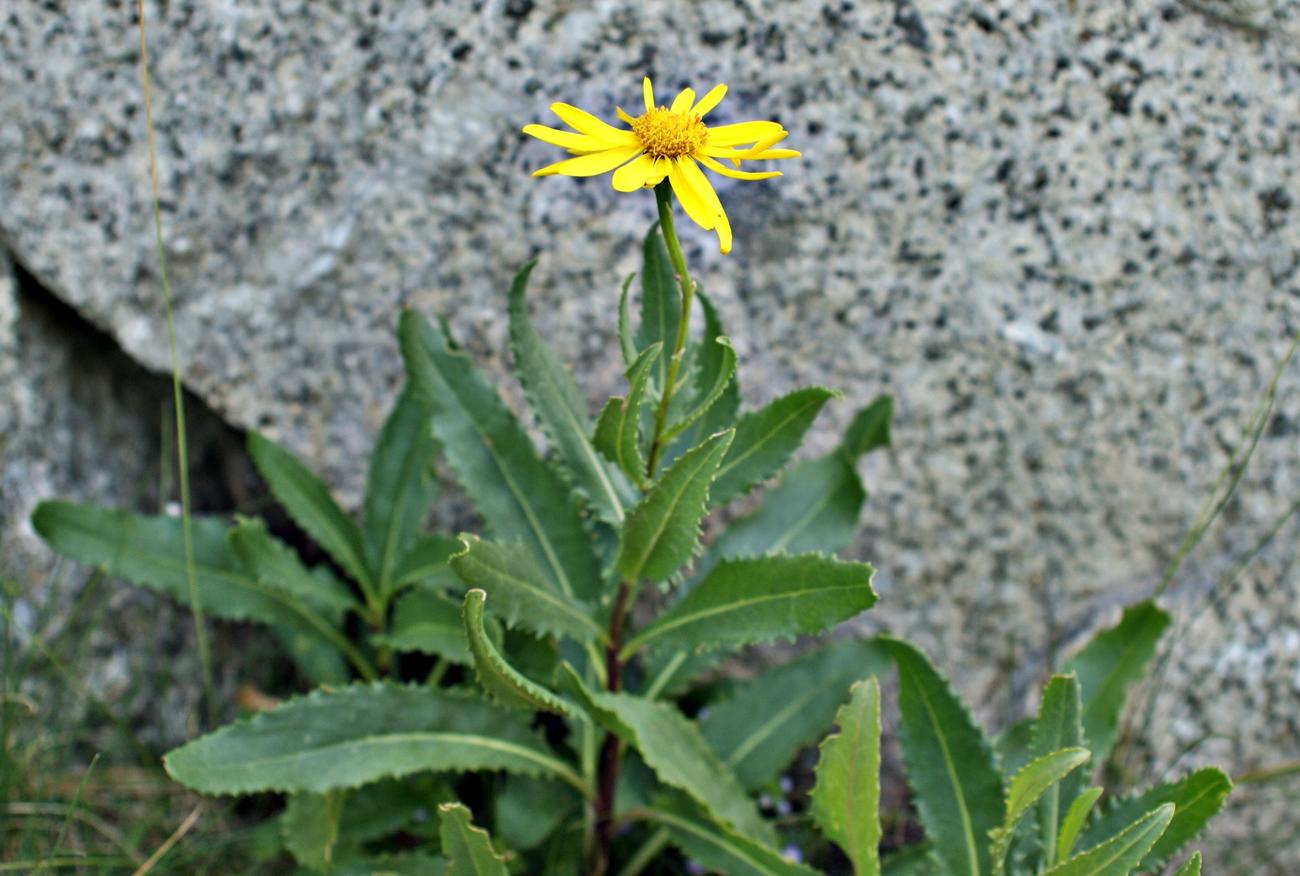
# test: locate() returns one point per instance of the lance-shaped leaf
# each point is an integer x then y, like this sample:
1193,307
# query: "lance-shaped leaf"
721,850
355,735
769,717
846,798
661,302
1058,726
715,360
618,431
759,599
949,763
1120,855
426,562
1109,664
1072,824
1026,788
309,827
521,497
498,677
662,532
626,345
673,748
427,623
1191,867
468,848
394,864
521,594
150,551
309,502
1199,796
765,438
399,487
561,409
276,566
815,505
720,373
528,811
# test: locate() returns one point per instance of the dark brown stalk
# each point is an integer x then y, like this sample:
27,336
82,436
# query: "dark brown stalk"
610,750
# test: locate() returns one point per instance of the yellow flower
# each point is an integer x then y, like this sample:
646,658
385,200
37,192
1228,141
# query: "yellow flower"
666,142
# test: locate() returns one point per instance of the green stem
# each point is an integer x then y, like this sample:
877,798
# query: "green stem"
646,854
182,453
664,198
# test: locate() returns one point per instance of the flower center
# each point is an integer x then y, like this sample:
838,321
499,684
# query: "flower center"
666,134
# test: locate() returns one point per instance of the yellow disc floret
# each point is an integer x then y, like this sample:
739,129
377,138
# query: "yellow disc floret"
666,134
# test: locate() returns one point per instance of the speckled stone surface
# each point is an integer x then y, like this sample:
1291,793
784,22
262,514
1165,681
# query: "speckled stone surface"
1064,234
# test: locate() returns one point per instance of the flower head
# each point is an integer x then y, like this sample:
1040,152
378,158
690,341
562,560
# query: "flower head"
666,142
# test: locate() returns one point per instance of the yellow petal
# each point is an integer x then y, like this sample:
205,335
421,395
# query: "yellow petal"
743,132
634,174
565,139
717,167
710,100
696,179
648,92
581,120
692,202
590,165
623,114
683,101
774,154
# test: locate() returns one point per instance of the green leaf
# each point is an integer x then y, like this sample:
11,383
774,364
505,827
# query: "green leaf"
521,498
1026,788
381,809
355,735
674,749
625,343
846,798
529,810
277,567
425,562
759,599
661,302
1199,796
721,373
468,847
662,532
949,763
522,594
1057,727
309,502
769,717
150,551
721,850
765,439
1109,664
913,860
427,623
869,429
1192,867
714,359
1013,745
618,431
1120,855
498,678
1072,824
309,827
561,409
394,864
399,487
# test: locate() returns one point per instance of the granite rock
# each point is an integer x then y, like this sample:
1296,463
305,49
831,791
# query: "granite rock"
1063,234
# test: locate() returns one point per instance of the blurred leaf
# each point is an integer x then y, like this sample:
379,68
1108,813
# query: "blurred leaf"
765,438
427,623
759,599
1109,664
469,848
1058,726
869,429
846,798
519,496
529,810
399,487
498,678
1120,855
277,567
950,765
1192,867
561,409
522,594
394,864
1072,824
769,717
309,502
352,736
425,562
721,850
625,343
662,532
309,827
